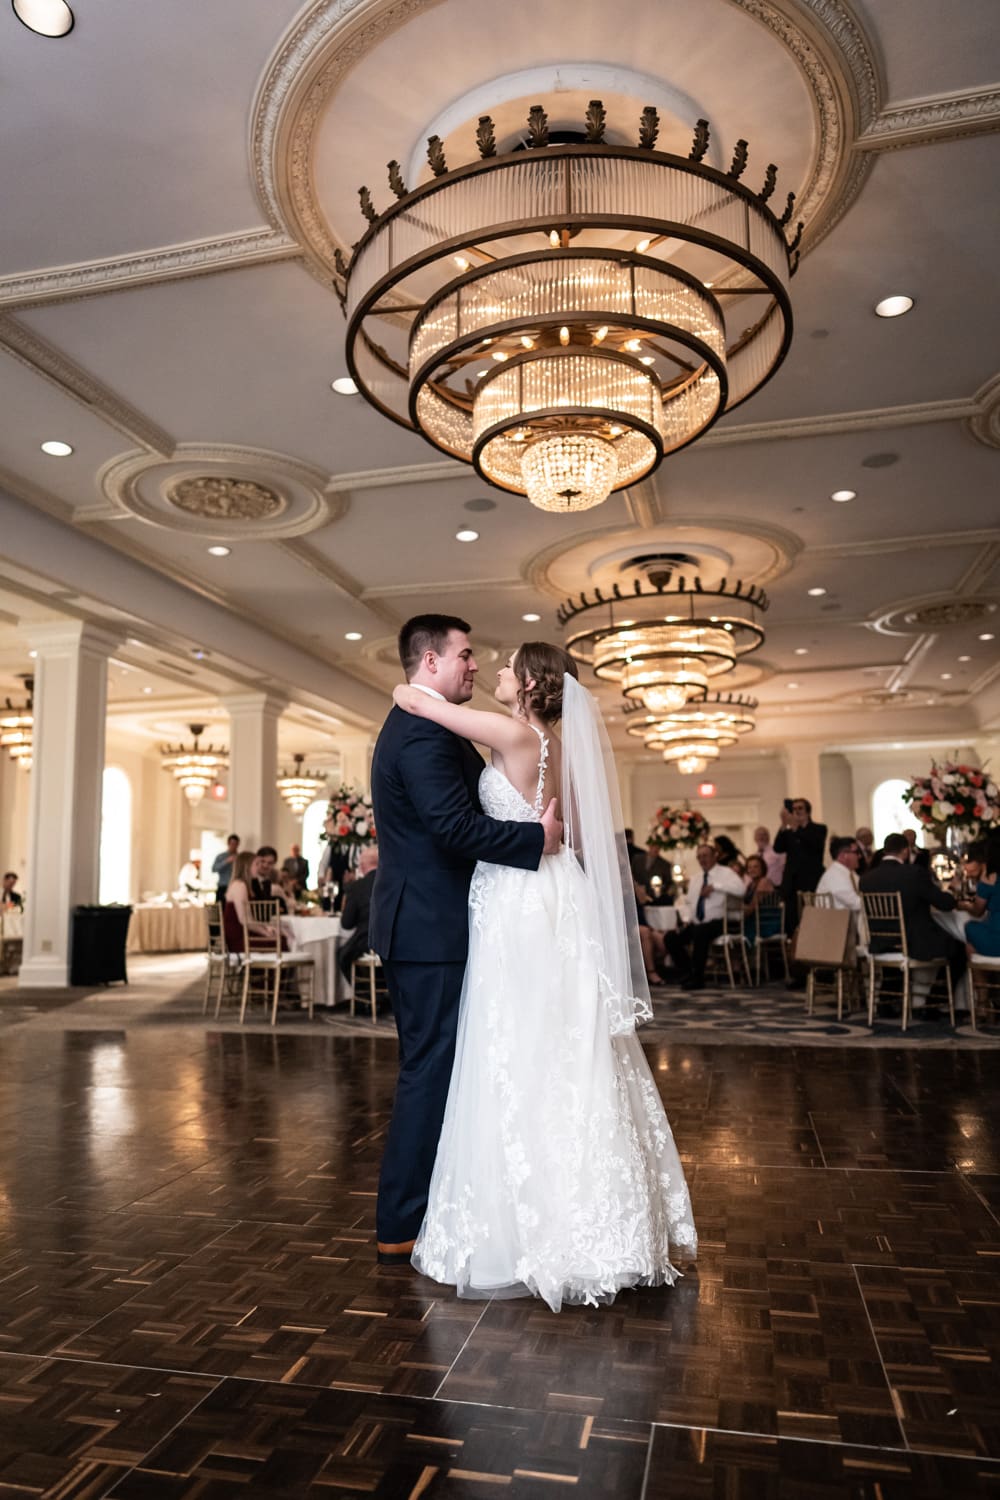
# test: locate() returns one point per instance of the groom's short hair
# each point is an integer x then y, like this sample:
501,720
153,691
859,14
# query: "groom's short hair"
426,633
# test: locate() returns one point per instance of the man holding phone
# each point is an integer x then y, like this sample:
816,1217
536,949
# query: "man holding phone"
802,842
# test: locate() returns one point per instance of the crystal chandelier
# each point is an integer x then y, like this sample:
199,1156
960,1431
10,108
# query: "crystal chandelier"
17,727
696,733
664,641
554,316
195,766
299,787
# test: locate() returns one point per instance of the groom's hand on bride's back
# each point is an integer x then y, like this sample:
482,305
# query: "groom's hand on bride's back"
553,829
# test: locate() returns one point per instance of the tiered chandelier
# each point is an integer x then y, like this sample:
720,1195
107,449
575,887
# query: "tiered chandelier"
553,315
300,787
17,727
196,767
691,736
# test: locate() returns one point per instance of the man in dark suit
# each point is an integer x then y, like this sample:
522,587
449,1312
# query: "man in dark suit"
354,916
802,842
924,938
297,868
649,866
431,832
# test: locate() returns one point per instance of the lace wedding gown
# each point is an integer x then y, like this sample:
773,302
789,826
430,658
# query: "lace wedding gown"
556,1172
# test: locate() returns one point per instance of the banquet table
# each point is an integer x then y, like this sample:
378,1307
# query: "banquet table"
159,927
955,923
319,937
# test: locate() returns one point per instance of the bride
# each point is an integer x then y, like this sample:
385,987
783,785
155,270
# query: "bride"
556,1172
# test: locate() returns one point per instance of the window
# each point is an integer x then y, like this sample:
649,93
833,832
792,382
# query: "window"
890,814
116,837
312,827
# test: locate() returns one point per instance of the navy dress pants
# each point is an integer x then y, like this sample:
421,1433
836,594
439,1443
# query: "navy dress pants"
425,1000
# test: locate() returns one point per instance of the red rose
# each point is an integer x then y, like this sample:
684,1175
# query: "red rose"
928,799
976,780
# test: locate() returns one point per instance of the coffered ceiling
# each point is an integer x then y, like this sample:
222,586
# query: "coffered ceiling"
175,186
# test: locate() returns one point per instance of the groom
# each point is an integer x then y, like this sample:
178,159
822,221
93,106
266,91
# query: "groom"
431,832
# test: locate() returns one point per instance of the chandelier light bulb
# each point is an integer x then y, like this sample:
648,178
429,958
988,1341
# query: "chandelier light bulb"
691,765
662,697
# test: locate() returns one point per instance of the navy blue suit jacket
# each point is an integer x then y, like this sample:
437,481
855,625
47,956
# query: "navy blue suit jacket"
431,831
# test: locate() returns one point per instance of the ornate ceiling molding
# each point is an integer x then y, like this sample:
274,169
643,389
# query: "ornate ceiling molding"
143,485
984,422
44,359
147,268
936,117
823,36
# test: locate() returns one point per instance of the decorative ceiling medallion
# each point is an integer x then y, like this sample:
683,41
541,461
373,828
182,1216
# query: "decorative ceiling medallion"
222,493
939,612
222,498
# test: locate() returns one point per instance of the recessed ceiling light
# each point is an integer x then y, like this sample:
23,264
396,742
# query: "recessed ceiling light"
893,307
965,658
220,551
344,386
198,653
531,618
987,636
841,495
32,654
57,450
46,17
466,535
791,684
352,635
817,592
945,676
147,690
802,651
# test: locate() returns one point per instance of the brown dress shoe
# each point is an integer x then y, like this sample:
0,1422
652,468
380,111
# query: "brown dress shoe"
395,1255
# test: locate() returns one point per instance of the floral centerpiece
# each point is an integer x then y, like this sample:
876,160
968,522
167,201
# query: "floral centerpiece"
677,828
352,819
957,798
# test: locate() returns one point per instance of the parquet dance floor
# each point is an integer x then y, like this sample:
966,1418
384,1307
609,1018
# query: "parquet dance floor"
190,1307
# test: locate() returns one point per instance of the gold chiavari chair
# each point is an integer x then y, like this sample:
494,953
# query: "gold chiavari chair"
264,956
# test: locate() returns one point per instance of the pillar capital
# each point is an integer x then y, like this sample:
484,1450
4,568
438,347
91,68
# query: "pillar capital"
64,636
247,704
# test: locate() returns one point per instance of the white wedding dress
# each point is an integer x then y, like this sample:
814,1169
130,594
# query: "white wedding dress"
556,1172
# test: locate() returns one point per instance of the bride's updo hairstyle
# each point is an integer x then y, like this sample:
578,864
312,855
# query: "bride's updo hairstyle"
544,665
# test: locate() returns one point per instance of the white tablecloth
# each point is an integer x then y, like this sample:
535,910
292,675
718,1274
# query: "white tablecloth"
954,923
662,918
159,928
319,937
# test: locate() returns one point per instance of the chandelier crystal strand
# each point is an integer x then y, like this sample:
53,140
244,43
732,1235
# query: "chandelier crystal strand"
505,311
194,767
17,727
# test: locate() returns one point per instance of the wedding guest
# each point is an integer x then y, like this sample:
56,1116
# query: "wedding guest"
983,934
263,884
866,841
222,866
971,870
759,924
775,863
654,950
840,879
357,904
236,912
10,897
298,868
632,850
917,856
652,866
688,947
729,855
924,938
802,842
334,867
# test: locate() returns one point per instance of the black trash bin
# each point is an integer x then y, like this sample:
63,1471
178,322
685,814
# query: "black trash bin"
98,950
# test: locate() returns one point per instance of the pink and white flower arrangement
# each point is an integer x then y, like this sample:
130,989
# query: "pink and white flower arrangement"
678,828
965,798
352,819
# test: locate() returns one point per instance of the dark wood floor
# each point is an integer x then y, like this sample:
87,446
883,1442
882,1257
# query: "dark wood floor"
189,1305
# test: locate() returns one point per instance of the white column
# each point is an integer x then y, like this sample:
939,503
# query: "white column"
803,776
356,758
64,820
253,767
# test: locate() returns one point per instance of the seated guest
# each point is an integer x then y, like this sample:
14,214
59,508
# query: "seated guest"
688,947
263,882
983,934
222,865
924,938
971,871
840,879
757,923
652,866
654,949
298,868
236,912
357,904
774,863
10,896
290,888
866,841
632,850
729,855
334,867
